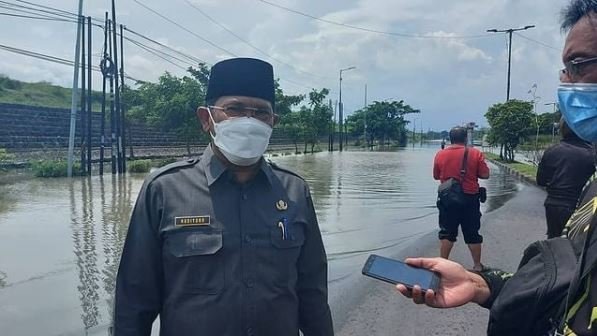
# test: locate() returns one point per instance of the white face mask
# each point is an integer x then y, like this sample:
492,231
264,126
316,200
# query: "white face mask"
241,140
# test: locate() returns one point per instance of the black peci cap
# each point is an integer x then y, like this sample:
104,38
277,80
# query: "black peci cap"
241,77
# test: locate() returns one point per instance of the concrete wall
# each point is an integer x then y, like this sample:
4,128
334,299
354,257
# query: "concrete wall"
29,128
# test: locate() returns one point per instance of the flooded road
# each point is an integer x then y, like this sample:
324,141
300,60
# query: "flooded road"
60,241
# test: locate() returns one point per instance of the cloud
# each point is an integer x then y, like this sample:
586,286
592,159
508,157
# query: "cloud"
450,79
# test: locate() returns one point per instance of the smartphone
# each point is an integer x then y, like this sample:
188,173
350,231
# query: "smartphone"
397,272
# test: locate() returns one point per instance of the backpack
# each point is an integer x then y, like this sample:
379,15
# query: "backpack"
530,303
449,192
552,281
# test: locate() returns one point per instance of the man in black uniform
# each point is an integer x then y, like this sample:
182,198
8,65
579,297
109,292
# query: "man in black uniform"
228,244
564,170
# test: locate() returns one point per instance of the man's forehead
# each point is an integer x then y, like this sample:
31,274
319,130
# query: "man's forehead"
582,39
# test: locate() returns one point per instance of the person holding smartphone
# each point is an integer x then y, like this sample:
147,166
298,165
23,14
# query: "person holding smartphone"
566,309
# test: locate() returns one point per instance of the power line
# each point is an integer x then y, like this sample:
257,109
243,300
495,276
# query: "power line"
47,7
249,43
143,45
345,25
538,42
35,17
50,58
192,58
54,12
48,11
185,29
155,54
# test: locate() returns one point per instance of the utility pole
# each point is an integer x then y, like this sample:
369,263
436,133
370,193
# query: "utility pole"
119,150
89,92
73,107
414,130
555,122
331,129
533,93
509,32
122,117
334,125
365,118
341,107
104,67
421,139
83,133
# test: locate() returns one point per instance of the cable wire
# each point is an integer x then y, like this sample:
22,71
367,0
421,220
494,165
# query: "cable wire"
192,58
185,29
52,59
249,43
345,25
538,42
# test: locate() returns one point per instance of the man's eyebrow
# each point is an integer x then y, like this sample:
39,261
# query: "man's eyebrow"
577,54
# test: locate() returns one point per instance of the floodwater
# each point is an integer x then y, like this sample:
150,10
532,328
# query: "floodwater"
60,241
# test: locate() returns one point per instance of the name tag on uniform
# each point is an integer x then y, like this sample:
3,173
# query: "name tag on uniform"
192,221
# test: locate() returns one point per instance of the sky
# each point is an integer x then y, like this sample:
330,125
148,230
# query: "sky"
435,55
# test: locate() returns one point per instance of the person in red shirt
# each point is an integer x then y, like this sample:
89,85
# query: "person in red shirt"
447,164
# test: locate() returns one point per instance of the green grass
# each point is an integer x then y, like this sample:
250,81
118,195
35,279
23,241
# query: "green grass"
492,156
39,94
139,166
54,168
5,156
523,168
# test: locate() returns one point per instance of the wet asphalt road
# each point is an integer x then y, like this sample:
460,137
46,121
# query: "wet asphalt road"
377,309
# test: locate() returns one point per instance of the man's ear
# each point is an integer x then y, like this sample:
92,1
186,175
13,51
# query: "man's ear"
276,119
204,119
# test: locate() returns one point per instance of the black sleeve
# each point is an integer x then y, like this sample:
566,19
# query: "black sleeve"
496,279
545,170
139,279
315,318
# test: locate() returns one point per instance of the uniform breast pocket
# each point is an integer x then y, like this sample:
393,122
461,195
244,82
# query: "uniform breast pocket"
193,260
286,249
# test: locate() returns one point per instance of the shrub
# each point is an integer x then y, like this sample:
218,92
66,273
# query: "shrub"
54,168
139,166
5,156
165,161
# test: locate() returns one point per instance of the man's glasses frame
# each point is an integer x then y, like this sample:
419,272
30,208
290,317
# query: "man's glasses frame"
573,68
236,111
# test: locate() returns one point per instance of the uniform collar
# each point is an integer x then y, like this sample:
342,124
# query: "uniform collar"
214,168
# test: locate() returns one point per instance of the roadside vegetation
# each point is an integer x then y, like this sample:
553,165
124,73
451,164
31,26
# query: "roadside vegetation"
528,170
54,168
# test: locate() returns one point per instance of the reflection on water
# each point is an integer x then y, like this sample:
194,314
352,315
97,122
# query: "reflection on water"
376,202
61,245
60,240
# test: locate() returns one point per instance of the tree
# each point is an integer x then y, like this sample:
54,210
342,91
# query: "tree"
289,120
284,103
171,103
385,122
510,122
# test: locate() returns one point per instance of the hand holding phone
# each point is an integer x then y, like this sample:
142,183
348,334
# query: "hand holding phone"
397,272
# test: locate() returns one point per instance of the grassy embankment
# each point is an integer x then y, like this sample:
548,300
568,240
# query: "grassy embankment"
39,94
529,171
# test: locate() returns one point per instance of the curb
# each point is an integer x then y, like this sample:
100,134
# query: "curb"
510,170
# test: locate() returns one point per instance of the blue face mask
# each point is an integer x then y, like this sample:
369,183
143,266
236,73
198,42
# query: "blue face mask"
578,103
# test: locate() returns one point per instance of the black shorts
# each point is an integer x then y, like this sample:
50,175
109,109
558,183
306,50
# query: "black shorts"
467,217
